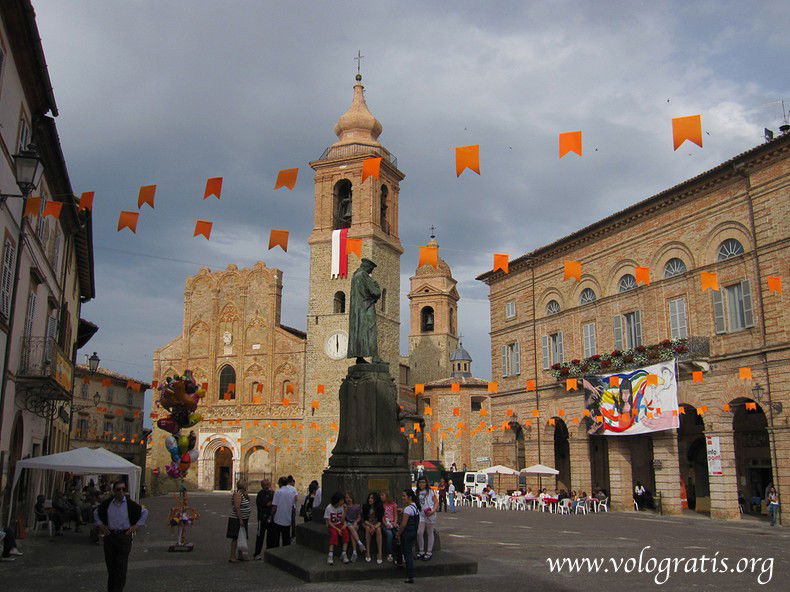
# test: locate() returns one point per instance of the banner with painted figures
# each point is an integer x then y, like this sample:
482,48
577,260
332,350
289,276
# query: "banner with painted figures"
633,402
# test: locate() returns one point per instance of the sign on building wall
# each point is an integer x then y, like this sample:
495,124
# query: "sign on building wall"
714,455
63,371
623,403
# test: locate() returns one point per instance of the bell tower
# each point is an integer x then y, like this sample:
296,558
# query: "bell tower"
433,320
369,212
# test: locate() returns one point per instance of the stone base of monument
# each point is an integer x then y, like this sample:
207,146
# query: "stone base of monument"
307,560
371,455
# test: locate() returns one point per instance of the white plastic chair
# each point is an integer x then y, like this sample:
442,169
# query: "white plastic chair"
564,507
603,505
581,507
636,506
43,524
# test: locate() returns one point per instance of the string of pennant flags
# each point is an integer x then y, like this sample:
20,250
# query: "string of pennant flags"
466,158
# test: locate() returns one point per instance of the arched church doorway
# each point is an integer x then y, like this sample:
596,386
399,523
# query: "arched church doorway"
223,469
693,459
752,454
562,454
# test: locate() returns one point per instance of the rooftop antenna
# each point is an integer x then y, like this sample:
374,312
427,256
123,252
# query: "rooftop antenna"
433,231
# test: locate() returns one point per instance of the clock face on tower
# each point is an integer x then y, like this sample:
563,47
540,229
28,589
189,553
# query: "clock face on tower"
336,345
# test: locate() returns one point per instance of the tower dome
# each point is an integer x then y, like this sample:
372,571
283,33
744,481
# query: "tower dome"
358,125
461,362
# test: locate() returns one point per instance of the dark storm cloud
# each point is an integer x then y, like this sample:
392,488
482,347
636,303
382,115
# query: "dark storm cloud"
175,92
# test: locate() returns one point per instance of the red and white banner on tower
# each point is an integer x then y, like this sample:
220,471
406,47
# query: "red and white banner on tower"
339,253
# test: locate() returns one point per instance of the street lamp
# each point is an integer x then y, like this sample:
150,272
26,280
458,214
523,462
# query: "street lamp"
93,362
28,169
96,399
757,391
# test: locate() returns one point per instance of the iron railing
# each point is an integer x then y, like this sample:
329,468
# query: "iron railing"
347,150
43,358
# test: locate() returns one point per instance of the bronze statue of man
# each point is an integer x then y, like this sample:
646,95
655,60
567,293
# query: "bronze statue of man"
362,335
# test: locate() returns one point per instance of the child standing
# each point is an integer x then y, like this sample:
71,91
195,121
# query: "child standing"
390,524
334,514
428,503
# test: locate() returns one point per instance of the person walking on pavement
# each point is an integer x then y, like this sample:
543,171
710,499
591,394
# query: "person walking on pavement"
263,501
118,519
773,504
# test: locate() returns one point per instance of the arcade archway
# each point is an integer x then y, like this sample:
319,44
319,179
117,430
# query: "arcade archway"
752,454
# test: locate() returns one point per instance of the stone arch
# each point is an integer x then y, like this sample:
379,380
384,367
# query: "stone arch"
228,313
258,463
544,299
253,376
693,459
217,458
339,302
752,451
255,333
562,453
226,378
427,319
199,336
342,204
201,283
722,232
230,281
669,251
616,272
588,281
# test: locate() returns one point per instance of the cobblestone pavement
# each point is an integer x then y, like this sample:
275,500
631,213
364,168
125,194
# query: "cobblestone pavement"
512,549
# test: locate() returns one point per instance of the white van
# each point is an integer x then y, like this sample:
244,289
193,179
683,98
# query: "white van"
477,481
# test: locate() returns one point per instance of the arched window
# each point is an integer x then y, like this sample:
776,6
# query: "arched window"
553,307
587,296
227,383
340,301
729,249
452,321
674,267
342,206
426,319
383,300
627,282
383,205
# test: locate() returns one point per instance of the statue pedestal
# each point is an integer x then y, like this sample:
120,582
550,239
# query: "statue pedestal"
371,453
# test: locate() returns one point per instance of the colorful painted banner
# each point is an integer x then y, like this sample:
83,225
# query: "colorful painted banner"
644,400
714,455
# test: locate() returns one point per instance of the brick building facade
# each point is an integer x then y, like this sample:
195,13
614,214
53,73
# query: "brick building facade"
731,220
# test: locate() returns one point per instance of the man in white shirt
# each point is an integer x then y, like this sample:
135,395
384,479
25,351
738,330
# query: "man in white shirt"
283,505
451,496
292,486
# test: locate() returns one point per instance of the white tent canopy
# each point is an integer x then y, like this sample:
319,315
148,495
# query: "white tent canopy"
500,470
540,470
84,461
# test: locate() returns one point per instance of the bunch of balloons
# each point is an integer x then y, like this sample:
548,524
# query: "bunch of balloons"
180,395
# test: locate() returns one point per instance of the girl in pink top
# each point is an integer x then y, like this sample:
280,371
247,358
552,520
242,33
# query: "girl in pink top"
390,523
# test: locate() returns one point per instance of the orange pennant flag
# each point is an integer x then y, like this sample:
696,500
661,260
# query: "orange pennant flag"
530,385
289,389
527,422
203,227
643,275
726,408
572,269
320,389
467,157
32,206
286,178
493,387
419,389
483,412
501,262
571,384
52,208
552,421
561,413
586,413
774,285
696,376
314,404
154,384
702,410
751,406
614,381
436,427
429,256
709,280
128,220
258,389
257,400
687,128
456,411
371,167
575,420
106,381
509,412
416,427
675,412
286,402
652,379
354,245
86,201
535,413
146,196
745,373
429,411
278,238
428,437
570,142
455,387
213,187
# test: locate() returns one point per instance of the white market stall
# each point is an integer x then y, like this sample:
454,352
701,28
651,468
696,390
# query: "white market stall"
500,470
540,470
82,461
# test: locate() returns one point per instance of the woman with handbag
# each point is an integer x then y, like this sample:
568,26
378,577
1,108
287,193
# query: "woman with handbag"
428,504
238,521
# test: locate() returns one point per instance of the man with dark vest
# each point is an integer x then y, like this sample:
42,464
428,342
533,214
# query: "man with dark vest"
118,518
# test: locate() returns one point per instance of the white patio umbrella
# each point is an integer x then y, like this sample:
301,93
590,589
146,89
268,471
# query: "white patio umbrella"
540,470
500,470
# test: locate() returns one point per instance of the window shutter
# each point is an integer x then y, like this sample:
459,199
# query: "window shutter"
31,314
56,255
560,352
637,328
618,332
516,362
544,341
7,279
718,312
504,360
748,314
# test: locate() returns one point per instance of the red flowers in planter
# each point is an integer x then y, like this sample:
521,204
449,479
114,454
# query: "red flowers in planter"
606,363
666,343
556,366
681,349
641,348
565,371
575,362
595,357
616,353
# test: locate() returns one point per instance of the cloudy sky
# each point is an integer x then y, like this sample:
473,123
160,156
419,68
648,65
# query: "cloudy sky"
174,92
